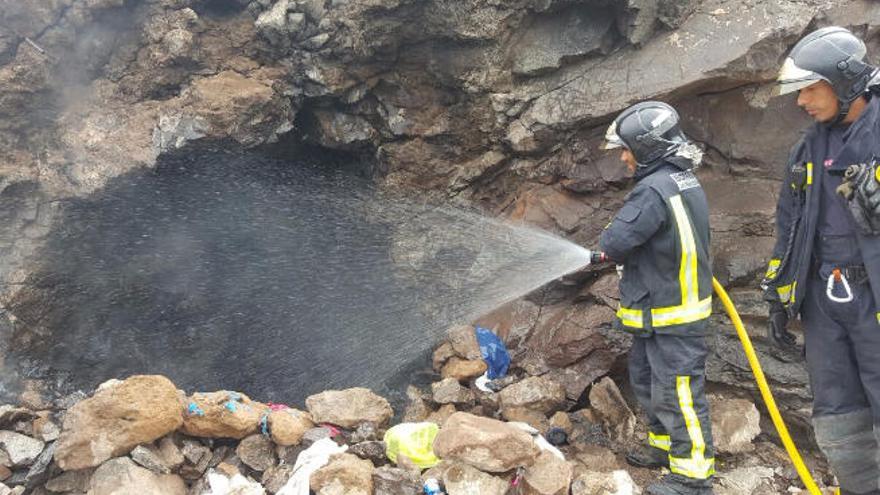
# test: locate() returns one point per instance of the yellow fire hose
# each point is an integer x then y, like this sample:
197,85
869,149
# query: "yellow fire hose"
778,422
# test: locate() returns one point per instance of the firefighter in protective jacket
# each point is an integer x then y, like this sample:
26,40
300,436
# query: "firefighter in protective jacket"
661,237
825,267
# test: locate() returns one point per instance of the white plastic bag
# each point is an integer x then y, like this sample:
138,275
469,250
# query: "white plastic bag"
309,461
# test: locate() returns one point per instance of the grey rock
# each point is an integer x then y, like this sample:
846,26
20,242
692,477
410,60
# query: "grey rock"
461,479
314,434
537,394
257,452
122,475
389,480
39,470
22,450
372,451
150,458
170,453
735,423
364,432
10,415
70,481
612,409
276,477
449,391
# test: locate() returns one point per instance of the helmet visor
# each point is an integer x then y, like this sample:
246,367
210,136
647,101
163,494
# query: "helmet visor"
793,78
612,140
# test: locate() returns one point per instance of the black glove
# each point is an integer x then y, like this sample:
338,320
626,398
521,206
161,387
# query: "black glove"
861,190
776,331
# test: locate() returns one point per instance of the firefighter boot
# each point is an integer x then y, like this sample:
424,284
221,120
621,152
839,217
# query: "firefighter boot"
674,484
649,457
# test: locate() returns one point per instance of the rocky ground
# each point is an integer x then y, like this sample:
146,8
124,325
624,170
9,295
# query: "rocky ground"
488,103
143,435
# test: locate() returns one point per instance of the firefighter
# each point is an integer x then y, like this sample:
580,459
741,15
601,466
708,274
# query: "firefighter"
825,266
661,237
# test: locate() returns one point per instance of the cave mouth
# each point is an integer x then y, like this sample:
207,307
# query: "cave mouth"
221,269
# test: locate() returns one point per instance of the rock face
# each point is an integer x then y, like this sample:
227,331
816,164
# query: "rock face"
349,408
138,410
486,444
222,415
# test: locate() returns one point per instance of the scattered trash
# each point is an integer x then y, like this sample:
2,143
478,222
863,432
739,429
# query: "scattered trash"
264,425
540,441
309,461
334,430
482,383
277,407
237,485
194,410
494,353
413,440
432,487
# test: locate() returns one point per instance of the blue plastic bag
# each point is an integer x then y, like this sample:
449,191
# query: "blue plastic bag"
494,353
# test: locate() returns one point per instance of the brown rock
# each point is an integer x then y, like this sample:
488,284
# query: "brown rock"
568,334
449,391
417,408
532,418
222,414
463,339
596,458
462,479
462,369
115,420
170,453
536,393
349,408
44,428
440,416
562,421
549,475
486,444
71,481
612,409
345,473
287,426
257,452
441,355
5,473
121,476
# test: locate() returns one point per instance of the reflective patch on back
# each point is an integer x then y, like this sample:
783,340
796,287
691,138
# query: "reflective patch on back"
685,180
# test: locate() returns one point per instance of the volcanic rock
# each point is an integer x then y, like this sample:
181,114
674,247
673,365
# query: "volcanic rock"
222,414
121,475
486,444
287,426
20,449
138,410
345,473
349,408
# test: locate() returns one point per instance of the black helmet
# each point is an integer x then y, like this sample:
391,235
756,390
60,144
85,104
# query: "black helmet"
832,54
651,131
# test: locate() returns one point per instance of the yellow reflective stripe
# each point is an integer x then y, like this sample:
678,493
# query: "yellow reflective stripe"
687,275
878,314
785,293
679,315
696,466
662,442
793,291
809,173
631,317
772,268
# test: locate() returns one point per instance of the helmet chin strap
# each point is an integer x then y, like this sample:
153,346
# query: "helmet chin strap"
842,112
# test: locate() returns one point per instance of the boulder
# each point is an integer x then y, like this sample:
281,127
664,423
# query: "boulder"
257,452
599,483
287,426
222,414
449,391
349,408
345,473
115,420
486,444
463,369
463,479
735,423
549,475
121,476
20,449
389,480
612,409
536,393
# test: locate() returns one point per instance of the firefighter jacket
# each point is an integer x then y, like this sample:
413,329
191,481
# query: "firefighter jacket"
661,237
797,210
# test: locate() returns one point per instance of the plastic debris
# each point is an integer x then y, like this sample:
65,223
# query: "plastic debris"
236,485
432,487
413,440
482,383
307,462
540,441
494,353
194,410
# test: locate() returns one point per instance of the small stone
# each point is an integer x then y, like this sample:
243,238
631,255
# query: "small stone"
276,477
44,428
596,483
150,458
22,450
70,481
287,426
389,480
257,452
170,453
11,414
38,473
373,451
562,421
612,409
463,369
349,408
364,433
5,473
345,473
735,423
449,391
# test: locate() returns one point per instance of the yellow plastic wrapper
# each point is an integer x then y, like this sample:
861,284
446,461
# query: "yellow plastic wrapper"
413,440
